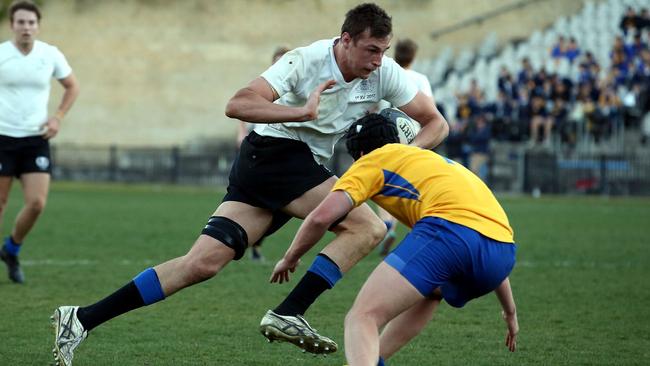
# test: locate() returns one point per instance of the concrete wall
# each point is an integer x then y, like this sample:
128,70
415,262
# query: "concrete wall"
160,72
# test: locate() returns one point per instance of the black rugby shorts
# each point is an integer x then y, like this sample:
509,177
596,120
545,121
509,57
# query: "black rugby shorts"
20,155
271,172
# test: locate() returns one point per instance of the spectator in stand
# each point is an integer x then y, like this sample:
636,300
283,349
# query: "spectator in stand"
643,21
636,47
539,118
501,115
619,70
559,49
475,94
478,138
584,107
561,89
641,80
455,142
589,60
621,49
572,50
584,74
506,84
629,22
526,73
607,115
523,112
560,116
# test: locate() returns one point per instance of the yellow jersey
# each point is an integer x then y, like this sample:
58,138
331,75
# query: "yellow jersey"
412,183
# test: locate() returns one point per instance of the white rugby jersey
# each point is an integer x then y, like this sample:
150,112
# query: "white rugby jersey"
422,82
25,86
300,71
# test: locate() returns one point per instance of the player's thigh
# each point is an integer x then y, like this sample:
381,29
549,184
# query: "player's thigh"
362,216
384,295
308,201
35,187
254,220
214,249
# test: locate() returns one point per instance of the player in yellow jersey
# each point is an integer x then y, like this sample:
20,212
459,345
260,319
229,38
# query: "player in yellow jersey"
460,246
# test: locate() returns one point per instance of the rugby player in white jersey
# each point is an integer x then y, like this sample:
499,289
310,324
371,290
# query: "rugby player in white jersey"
303,104
27,67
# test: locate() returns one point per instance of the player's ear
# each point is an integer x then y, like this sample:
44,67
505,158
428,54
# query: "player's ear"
346,39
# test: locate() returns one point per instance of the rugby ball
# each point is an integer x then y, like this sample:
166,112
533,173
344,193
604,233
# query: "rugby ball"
406,127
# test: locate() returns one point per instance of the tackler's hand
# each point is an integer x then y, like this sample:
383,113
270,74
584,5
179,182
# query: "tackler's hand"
281,271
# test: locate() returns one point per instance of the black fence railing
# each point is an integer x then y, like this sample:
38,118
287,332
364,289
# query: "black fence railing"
512,168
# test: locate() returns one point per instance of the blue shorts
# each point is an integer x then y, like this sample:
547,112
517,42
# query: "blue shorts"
462,262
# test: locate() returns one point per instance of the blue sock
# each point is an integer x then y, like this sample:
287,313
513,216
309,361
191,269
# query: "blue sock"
149,286
381,362
11,246
326,268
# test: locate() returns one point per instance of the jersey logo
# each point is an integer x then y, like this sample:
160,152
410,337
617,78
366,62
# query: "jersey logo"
396,186
364,91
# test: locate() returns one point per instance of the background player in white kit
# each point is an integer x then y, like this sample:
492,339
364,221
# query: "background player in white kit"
26,69
405,51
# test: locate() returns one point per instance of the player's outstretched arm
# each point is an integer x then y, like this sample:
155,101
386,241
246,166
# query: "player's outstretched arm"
254,103
332,208
504,294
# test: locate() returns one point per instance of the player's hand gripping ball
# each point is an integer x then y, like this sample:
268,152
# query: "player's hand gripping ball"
406,127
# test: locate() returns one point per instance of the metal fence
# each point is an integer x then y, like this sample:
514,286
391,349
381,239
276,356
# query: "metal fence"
512,168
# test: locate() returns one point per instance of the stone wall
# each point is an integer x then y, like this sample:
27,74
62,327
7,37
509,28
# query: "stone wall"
159,72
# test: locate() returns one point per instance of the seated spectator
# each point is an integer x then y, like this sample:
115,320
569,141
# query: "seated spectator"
526,73
629,22
561,89
506,84
572,51
475,94
619,71
620,49
581,114
643,21
560,116
636,47
539,117
607,115
502,117
588,60
478,138
559,49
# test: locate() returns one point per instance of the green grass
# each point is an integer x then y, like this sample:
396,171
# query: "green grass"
582,285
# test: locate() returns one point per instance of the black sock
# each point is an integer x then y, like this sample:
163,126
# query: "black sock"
303,295
119,302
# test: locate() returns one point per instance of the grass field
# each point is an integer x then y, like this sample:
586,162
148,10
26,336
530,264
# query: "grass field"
582,285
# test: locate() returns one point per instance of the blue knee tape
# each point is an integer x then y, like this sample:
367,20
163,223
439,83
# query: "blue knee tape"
327,269
149,286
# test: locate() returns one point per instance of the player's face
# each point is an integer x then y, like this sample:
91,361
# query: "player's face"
25,26
365,54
